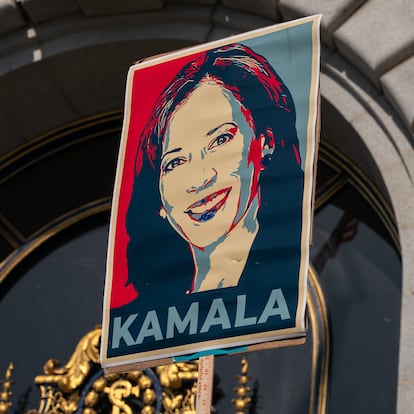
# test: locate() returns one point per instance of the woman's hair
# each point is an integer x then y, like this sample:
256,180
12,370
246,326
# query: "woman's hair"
155,250
248,76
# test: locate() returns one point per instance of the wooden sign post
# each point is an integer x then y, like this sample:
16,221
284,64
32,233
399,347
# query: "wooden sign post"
205,384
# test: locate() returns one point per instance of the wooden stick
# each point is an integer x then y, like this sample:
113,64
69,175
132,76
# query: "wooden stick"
205,384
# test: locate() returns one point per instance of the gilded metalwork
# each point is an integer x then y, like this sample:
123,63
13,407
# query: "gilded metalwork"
318,315
6,393
81,386
172,378
62,387
122,392
69,377
242,401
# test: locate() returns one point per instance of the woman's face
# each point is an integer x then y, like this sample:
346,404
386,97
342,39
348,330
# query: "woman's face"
208,170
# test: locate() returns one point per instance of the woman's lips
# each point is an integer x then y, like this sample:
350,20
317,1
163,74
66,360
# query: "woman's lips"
206,208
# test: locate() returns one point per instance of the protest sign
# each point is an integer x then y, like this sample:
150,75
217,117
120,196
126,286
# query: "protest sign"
209,239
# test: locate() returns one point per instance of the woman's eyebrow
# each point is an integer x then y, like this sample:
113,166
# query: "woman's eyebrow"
171,151
212,131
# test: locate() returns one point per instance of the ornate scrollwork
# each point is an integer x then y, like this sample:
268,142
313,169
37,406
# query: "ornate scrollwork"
82,387
69,377
125,394
173,378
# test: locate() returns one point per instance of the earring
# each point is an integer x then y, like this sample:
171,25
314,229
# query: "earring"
162,213
265,161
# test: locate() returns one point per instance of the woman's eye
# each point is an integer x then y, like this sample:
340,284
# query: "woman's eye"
220,140
174,163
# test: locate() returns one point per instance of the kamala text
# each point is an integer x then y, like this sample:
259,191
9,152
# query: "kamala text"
189,323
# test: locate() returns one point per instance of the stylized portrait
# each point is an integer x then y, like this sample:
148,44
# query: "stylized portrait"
212,201
224,124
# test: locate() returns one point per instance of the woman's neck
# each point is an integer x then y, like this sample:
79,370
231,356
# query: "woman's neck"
221,265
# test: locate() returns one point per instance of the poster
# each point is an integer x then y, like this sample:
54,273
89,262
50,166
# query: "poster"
211,216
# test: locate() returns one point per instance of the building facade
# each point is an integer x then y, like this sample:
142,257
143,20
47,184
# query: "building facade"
63,68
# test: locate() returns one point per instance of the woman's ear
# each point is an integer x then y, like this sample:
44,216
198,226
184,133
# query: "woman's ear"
267,147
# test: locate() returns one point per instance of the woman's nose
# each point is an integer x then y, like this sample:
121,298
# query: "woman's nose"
203,179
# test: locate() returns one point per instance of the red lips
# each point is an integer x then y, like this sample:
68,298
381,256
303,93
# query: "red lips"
207,207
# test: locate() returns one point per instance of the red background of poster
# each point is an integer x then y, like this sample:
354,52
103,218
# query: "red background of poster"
147,85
